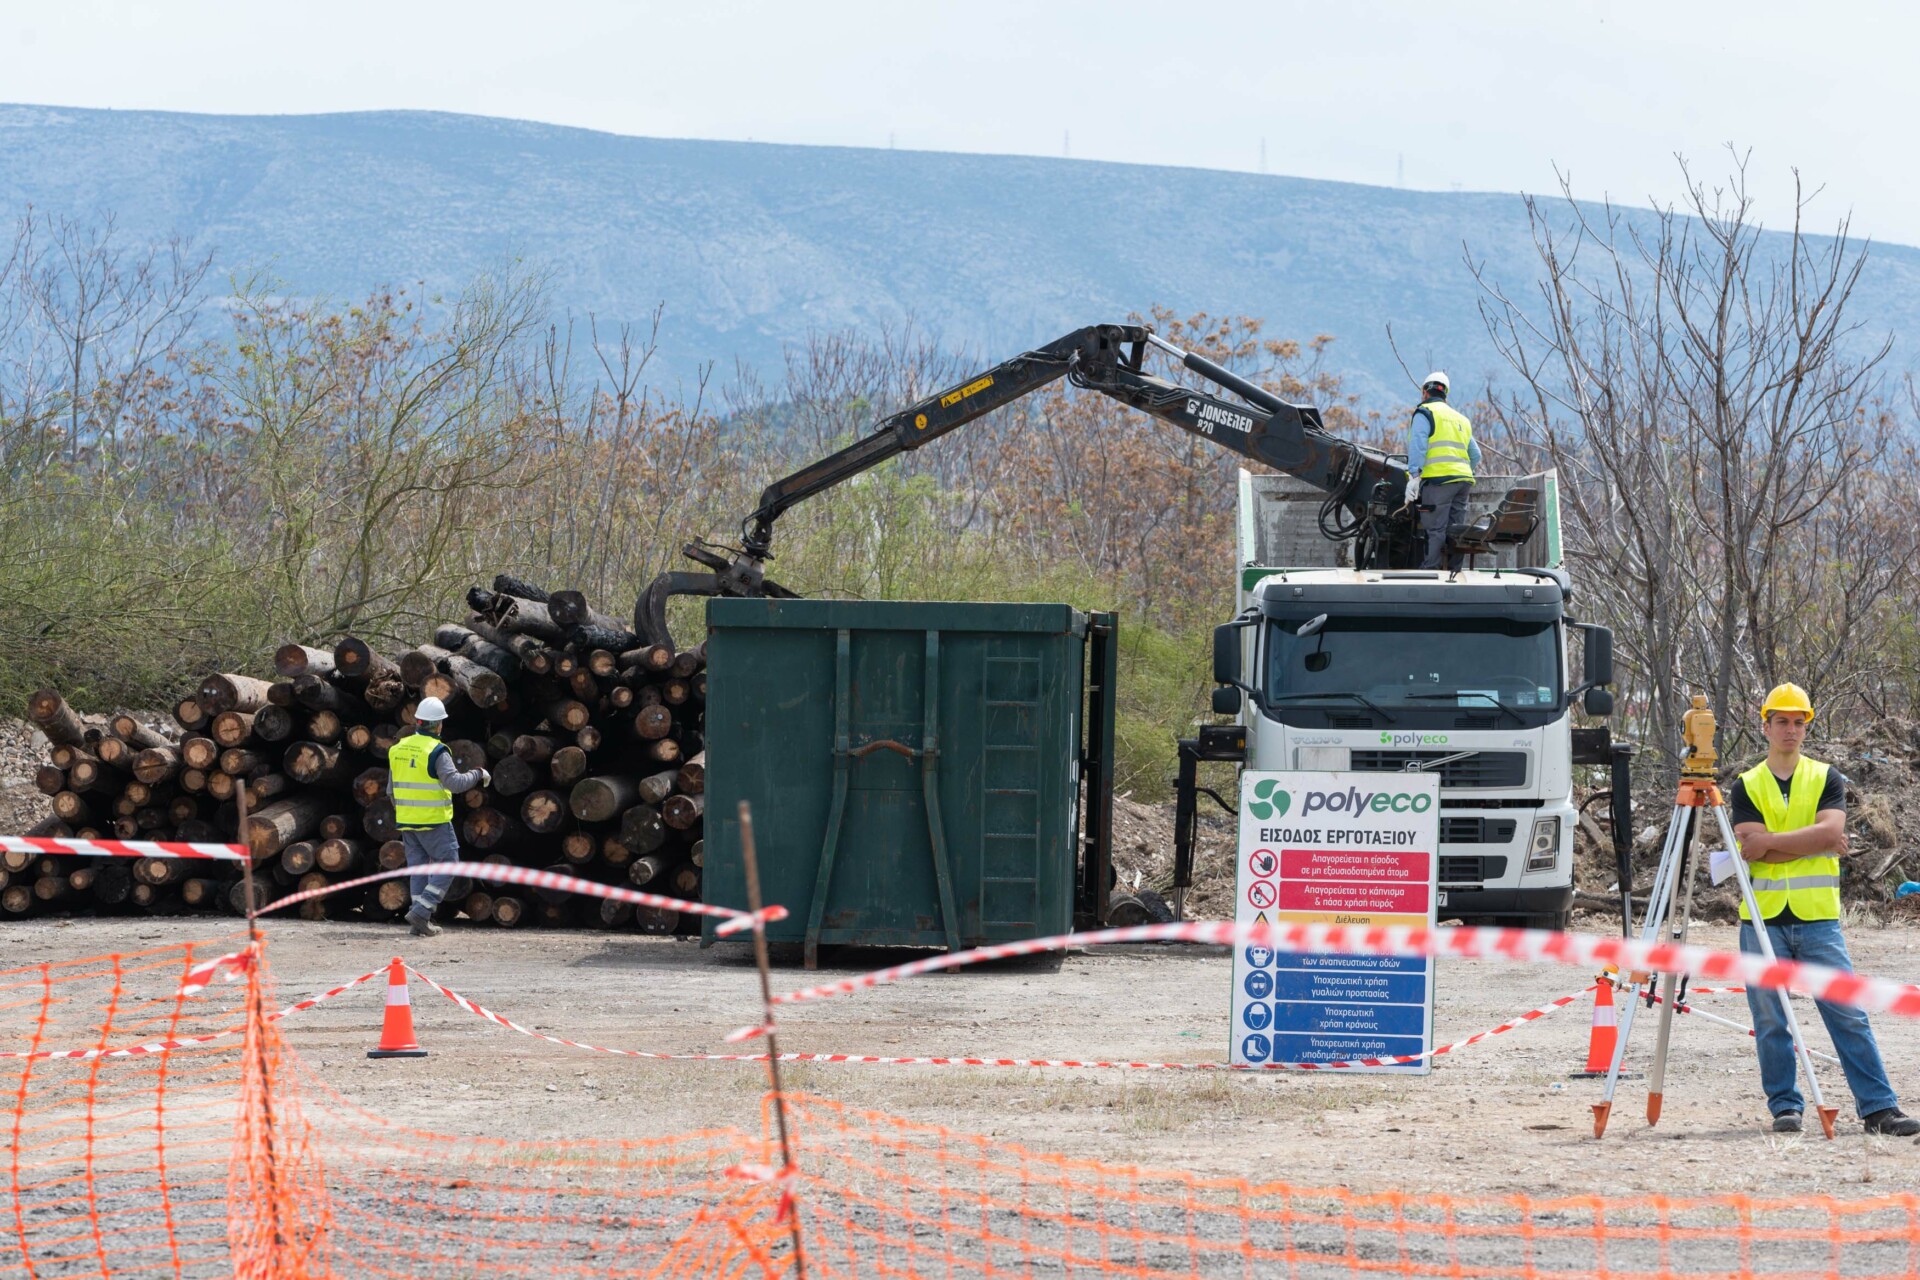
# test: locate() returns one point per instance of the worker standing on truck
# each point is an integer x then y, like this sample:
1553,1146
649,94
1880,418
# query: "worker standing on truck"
1441,460
1790,815
422,780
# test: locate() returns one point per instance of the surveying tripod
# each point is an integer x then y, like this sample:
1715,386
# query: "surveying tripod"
1674,879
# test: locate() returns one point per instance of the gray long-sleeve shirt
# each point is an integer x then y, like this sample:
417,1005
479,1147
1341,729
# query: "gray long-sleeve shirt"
440,763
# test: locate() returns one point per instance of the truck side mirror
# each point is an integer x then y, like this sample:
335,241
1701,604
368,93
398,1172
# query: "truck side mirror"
1598,702
1226,655
1599,657
1226,700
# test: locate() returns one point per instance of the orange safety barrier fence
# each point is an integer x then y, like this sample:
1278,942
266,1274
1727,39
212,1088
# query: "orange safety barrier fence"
120,1165
879,1195
236,1157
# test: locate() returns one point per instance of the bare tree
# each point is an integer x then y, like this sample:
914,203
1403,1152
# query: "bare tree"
371,439
1718,423
112,310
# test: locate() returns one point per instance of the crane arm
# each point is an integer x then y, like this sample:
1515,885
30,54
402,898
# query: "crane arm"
1363,486
935,416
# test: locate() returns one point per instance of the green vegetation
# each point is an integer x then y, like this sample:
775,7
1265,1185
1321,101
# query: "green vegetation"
187,505
179,494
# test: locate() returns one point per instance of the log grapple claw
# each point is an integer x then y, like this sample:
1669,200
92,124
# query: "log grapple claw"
740,574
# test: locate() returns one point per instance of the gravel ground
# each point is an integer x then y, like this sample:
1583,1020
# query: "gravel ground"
23,748
1501,1117
1498,1117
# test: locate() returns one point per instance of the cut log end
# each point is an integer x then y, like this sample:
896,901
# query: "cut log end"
47,709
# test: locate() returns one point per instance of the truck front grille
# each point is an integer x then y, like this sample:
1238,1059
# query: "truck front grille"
1476,830
1481,769
1457,870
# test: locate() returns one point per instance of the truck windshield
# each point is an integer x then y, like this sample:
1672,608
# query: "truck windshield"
1417,662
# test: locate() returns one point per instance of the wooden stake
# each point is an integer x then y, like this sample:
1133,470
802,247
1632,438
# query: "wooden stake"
789,1197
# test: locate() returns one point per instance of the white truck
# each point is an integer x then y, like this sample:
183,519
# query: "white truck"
1341,656
1467,674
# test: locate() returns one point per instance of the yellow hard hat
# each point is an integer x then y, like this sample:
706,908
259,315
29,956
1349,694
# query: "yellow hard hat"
1786,697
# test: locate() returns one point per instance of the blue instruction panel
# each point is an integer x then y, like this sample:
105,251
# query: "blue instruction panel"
1335,849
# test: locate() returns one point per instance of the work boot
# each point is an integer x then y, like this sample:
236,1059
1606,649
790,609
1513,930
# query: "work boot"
426,928
1787,1122
1893,1122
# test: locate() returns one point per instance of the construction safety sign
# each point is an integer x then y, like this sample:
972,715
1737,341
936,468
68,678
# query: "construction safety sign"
1335,848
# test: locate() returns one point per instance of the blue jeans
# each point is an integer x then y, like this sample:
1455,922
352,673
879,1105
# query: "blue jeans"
1817,942
429,844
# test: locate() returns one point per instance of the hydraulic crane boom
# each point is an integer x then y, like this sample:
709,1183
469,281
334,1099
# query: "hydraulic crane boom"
1363,486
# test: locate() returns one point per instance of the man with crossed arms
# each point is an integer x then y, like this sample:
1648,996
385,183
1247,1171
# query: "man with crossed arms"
1790,815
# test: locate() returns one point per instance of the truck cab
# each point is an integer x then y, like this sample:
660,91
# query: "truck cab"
1467,674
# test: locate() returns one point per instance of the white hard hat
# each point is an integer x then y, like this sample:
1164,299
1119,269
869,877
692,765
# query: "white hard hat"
1439,376
430,711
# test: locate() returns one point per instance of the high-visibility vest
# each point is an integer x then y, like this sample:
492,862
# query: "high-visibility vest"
419,800
1448,456
1810,885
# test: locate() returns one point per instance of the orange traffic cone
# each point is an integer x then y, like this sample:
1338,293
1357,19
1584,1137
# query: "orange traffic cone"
396,1030
1606,1031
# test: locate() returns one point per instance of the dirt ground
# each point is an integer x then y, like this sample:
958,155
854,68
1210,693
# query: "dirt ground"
1501,1116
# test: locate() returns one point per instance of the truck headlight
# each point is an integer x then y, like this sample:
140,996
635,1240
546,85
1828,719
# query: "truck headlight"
1545,849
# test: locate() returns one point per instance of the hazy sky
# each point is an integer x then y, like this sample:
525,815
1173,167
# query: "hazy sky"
1473,95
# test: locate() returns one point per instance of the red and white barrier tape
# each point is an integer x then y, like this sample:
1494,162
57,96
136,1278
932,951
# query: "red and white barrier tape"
228,968
747,919
478,1010
509,1024
1875,995
758,1173
182,1042
123,848
1531,1015
535,878
1622,985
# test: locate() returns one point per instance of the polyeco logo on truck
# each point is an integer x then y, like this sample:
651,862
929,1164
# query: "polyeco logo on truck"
1391,739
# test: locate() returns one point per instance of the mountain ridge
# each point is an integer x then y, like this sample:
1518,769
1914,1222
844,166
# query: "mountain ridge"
750,245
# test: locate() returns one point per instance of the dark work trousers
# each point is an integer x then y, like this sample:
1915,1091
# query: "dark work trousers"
1443,505
425,845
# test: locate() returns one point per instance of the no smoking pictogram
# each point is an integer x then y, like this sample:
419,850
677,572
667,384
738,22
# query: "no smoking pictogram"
1263,862
1261,893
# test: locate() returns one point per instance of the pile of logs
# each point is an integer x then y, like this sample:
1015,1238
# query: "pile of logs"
593,741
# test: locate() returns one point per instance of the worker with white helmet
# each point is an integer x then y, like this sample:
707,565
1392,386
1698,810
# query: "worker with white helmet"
1442,457
1790,816
422,780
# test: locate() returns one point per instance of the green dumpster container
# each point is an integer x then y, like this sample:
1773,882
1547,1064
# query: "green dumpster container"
914,768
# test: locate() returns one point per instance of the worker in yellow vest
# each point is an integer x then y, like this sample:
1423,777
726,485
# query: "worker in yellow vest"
1790,815
423,781
1441,460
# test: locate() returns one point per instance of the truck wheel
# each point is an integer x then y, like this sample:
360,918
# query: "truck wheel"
1125,910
